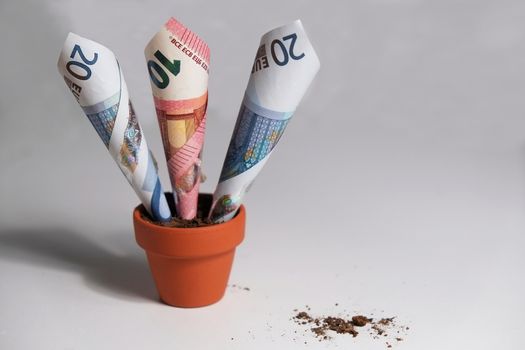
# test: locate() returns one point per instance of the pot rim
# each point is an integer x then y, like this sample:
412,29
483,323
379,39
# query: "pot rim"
188,242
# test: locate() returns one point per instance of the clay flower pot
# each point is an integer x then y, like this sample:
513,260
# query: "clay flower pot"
190,266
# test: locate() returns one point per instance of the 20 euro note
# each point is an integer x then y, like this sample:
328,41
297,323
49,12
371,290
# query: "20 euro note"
93,74
284,67
178,61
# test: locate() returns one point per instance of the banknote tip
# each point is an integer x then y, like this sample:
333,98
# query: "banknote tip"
72,35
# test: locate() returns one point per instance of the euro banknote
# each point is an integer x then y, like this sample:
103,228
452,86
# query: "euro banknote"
178,65
285,64
94,76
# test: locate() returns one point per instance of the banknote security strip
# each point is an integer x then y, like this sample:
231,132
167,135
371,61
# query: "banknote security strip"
131,145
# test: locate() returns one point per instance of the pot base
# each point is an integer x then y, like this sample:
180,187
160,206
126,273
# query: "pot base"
191,283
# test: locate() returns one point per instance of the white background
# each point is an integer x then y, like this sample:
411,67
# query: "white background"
398,188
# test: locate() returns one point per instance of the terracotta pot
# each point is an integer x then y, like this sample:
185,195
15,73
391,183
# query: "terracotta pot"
190,266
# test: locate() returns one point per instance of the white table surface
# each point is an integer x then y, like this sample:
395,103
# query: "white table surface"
398,189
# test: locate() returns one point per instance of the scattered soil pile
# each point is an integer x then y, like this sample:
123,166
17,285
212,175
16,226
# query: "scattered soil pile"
324,327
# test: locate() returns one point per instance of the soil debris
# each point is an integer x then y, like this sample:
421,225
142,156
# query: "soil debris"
324,327
200,220
236,286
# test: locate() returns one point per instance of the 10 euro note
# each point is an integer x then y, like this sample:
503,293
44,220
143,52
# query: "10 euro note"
178,61
285,65
93,74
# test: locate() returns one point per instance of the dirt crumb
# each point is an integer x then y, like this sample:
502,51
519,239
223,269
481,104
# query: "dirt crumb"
360,320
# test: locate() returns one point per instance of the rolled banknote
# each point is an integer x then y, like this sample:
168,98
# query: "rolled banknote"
178,62
93,74
284,67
